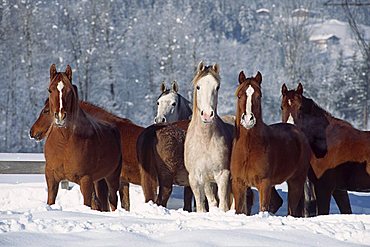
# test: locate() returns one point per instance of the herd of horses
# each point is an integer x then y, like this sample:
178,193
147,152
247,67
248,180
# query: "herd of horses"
217,159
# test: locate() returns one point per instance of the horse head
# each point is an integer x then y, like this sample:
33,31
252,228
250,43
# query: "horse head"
63,99
206,85
291,104
40,128
248,111
168,104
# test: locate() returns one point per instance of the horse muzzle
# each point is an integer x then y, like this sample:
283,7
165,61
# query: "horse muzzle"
248,121
37,136
207,118
158,120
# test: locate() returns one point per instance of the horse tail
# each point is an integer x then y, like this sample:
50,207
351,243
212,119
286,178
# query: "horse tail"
148,169
310,202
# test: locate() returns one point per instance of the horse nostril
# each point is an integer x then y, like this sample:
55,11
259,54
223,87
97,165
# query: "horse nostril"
64,116
211,114
55,115
201,113
163,120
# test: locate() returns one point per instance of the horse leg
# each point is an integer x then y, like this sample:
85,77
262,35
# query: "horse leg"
188,197
276,201
222,181
52,185
310,201
101,191
87,189
198,191
124,194
295,196
249,200
342,199
113,181
264,189
239,197
165,190
211,199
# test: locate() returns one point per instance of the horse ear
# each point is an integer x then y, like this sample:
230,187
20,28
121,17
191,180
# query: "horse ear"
258,77
284,89
299,89
163,87
216,68
242,77
175,87
201,66
53,71
69,72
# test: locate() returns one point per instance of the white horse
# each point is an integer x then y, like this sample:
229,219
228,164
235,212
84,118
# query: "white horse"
208,142
171,105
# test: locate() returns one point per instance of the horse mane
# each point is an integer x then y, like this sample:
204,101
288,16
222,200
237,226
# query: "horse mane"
103,113
167,91
207,70
187,111
311,107
241,85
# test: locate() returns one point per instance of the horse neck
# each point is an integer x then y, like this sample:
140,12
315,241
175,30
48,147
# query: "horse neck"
312,114
99,113
185,110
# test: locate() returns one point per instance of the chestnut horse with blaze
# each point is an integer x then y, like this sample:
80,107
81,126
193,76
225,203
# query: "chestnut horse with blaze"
79,148
129,131
266,155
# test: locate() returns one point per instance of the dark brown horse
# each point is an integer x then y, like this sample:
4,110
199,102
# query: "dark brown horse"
160,150
341,152
79,148
129,132
266,155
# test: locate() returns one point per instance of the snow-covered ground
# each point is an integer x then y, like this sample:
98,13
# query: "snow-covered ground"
26,220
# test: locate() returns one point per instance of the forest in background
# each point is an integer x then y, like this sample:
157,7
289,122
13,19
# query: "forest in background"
120,51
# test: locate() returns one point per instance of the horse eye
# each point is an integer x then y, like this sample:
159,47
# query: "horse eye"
198,87
217,88
174,104
157,103
49,90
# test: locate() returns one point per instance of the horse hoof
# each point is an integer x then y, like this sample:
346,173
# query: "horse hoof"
264,214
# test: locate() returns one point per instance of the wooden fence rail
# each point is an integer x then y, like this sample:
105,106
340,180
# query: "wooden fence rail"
24,163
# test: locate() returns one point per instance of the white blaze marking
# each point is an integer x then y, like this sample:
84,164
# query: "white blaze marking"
290,119
60,88
289,102
248,108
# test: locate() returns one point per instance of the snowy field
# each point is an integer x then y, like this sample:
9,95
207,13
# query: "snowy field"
26,220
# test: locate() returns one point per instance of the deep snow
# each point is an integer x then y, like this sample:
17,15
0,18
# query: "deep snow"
26,220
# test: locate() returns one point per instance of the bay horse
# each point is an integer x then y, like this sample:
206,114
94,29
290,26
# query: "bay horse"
172,106
160,150
341,153
129,133
79,148
265,155
208,142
